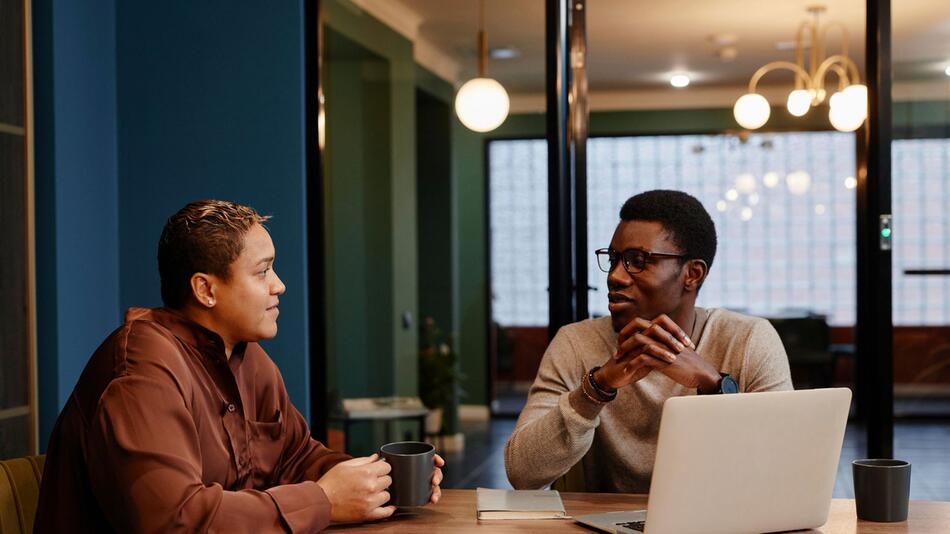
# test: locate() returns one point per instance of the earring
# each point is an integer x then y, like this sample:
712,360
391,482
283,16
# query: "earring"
210,302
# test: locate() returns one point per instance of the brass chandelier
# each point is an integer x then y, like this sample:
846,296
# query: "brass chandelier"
847,106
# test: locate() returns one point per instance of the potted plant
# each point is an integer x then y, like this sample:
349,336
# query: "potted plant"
438,374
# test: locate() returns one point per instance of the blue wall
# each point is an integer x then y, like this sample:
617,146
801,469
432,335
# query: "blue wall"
140,108
211,105
76,192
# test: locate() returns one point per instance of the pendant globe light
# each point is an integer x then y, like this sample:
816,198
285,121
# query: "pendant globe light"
481,103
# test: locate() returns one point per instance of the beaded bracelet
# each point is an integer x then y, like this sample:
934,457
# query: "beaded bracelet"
589,396
601,395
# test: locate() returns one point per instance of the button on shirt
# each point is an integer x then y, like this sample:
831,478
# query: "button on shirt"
164,433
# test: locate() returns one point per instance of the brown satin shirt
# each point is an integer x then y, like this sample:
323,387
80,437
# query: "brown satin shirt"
164,433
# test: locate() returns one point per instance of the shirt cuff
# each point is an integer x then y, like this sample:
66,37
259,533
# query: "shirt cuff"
304,507
581,405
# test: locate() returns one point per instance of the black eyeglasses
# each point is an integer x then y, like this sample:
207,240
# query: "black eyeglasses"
634,259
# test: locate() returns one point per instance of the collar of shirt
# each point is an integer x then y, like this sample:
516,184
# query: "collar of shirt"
206,341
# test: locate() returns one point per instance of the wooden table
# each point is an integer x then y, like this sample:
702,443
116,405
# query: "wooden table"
456,513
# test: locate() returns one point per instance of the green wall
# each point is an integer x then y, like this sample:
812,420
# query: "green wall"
369,85
358,211
435,189
924,118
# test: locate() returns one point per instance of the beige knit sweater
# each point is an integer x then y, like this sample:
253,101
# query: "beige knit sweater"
617,441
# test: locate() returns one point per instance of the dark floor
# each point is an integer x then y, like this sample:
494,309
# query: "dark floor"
926,444
482,463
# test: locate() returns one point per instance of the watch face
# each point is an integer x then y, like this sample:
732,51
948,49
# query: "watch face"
729,385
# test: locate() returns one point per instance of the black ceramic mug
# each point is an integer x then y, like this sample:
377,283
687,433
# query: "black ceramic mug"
881,489
412,468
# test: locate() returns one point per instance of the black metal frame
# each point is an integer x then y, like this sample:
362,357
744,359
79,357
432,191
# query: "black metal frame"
566,129
316,268
647,254
491,363
560,190
874,330
579,121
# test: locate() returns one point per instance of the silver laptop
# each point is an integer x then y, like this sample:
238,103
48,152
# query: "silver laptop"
751,462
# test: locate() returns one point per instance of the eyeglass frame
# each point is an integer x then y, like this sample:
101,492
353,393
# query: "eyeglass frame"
647,254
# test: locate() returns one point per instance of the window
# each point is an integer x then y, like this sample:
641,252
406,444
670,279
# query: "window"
779,252
518,220
920,200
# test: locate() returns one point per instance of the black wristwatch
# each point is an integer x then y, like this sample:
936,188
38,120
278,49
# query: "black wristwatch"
727,384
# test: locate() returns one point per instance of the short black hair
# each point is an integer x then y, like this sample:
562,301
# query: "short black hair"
205,236
687,221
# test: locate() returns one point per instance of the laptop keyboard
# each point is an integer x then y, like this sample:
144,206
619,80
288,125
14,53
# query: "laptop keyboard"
633,525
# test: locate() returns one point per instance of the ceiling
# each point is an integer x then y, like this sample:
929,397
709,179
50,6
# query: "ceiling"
637,44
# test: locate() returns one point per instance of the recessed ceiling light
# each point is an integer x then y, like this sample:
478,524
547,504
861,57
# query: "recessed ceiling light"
679,80
727,53
504,52
723,39
785,46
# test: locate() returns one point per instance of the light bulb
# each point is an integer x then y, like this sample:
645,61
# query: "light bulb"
732,195
848,108
850,182
745,183
799,102
722,206
770,179
746,213
857,97
751,111
845,118
798,182
482,104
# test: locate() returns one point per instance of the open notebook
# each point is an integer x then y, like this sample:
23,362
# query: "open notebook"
519,504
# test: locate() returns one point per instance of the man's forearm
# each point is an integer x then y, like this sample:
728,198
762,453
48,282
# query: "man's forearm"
541,450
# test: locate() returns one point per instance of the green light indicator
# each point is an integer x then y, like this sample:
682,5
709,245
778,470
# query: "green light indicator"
885,232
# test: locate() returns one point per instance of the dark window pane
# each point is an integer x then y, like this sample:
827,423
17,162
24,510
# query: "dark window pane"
14,437
11,62
14,358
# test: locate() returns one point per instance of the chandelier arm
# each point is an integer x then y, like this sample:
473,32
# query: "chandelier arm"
842,75
816,47
800,51
845,36
853,70
787,65
845,62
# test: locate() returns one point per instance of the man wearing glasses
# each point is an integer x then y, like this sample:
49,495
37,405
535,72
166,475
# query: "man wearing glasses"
602,383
